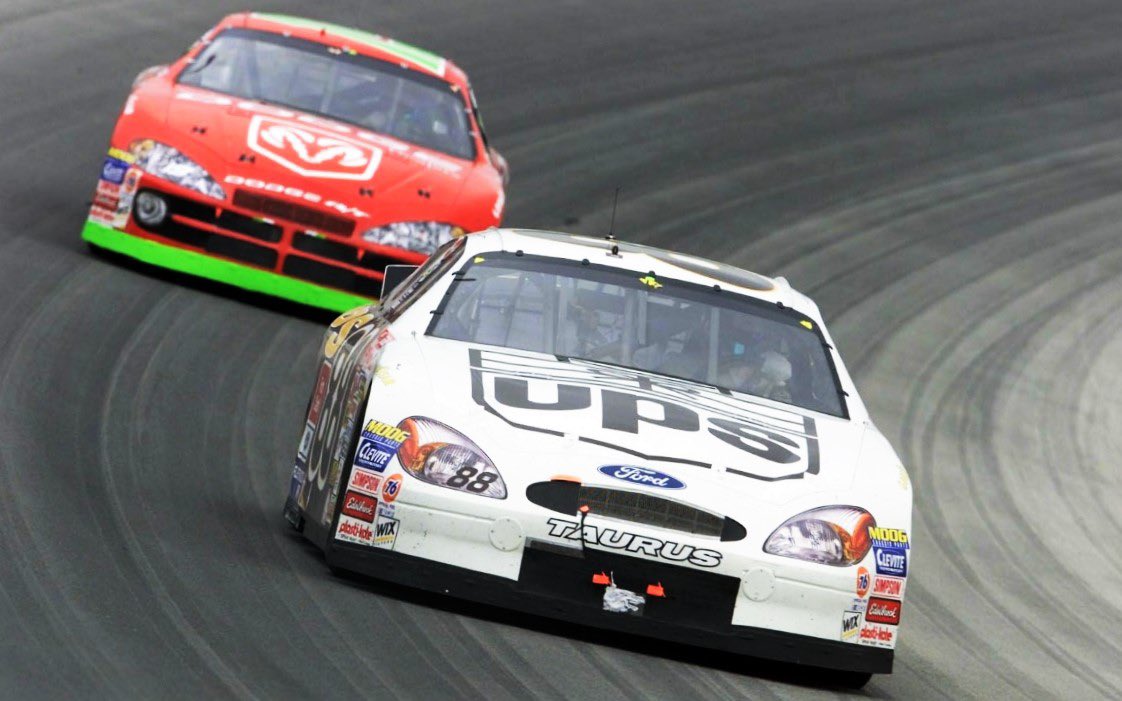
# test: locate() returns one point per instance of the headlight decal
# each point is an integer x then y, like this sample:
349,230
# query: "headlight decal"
829,535
436,453
420,236
168,163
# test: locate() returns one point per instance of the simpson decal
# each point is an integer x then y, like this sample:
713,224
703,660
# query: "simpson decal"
632,543
365,481
892,587
630,411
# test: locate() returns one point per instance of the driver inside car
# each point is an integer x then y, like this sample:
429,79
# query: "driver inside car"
753,367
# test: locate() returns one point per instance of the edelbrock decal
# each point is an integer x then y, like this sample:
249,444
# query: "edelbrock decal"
632,543
642,475
630,411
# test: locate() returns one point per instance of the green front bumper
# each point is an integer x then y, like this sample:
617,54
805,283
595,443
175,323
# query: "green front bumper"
219,269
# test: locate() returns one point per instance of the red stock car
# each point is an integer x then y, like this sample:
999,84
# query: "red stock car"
296,158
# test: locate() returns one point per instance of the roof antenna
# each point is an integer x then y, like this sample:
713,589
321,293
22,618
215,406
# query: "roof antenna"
612,226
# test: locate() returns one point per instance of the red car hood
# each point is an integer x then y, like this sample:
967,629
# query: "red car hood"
243,143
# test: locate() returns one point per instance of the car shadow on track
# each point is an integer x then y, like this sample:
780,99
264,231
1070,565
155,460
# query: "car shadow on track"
217,289
783,672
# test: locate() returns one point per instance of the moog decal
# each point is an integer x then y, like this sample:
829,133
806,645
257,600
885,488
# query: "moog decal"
630,410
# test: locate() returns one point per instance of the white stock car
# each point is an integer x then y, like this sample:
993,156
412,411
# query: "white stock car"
615,435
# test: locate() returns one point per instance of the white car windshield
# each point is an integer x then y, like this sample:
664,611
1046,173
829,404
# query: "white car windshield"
359,90
601,313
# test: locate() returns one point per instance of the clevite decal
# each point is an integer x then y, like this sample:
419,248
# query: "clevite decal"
891,561
632,543
630,410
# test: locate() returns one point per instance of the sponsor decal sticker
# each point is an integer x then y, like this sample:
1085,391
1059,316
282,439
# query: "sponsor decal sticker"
360,506
884,611
113,170
353,530
888,537
877,635
311,150
387,510
862,582
342,327
122,155
296,193
851,624
391,488
641,475
366,481
319,393
298,476
889,586
891,561
385,532
635,412
306,441
858,605
378,444
632,543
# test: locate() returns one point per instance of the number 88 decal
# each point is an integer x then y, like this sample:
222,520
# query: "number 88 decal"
436,453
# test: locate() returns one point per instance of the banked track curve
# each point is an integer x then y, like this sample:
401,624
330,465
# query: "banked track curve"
942,177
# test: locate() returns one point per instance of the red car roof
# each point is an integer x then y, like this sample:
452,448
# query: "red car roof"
348,38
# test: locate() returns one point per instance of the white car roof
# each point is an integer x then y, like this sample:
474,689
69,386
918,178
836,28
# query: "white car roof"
644,259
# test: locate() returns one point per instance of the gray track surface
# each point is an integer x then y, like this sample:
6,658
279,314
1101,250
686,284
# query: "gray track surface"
945,178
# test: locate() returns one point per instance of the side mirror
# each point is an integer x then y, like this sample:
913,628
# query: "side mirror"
500,164
394,276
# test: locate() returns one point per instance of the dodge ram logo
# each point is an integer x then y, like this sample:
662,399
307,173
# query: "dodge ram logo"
312,151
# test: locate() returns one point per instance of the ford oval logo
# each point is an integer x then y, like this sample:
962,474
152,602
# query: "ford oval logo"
641,475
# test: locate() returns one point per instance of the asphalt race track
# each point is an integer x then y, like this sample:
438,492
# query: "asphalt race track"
945,178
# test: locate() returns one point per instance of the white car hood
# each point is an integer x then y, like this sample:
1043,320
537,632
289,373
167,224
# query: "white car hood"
537,416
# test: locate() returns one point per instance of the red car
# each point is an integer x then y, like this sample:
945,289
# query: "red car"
296,158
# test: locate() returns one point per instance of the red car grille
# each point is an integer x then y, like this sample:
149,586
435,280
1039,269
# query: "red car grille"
295,213
285,245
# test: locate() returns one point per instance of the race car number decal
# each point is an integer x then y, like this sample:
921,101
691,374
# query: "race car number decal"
630,411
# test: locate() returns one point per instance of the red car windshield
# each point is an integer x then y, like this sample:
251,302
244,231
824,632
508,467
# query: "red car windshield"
323,80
